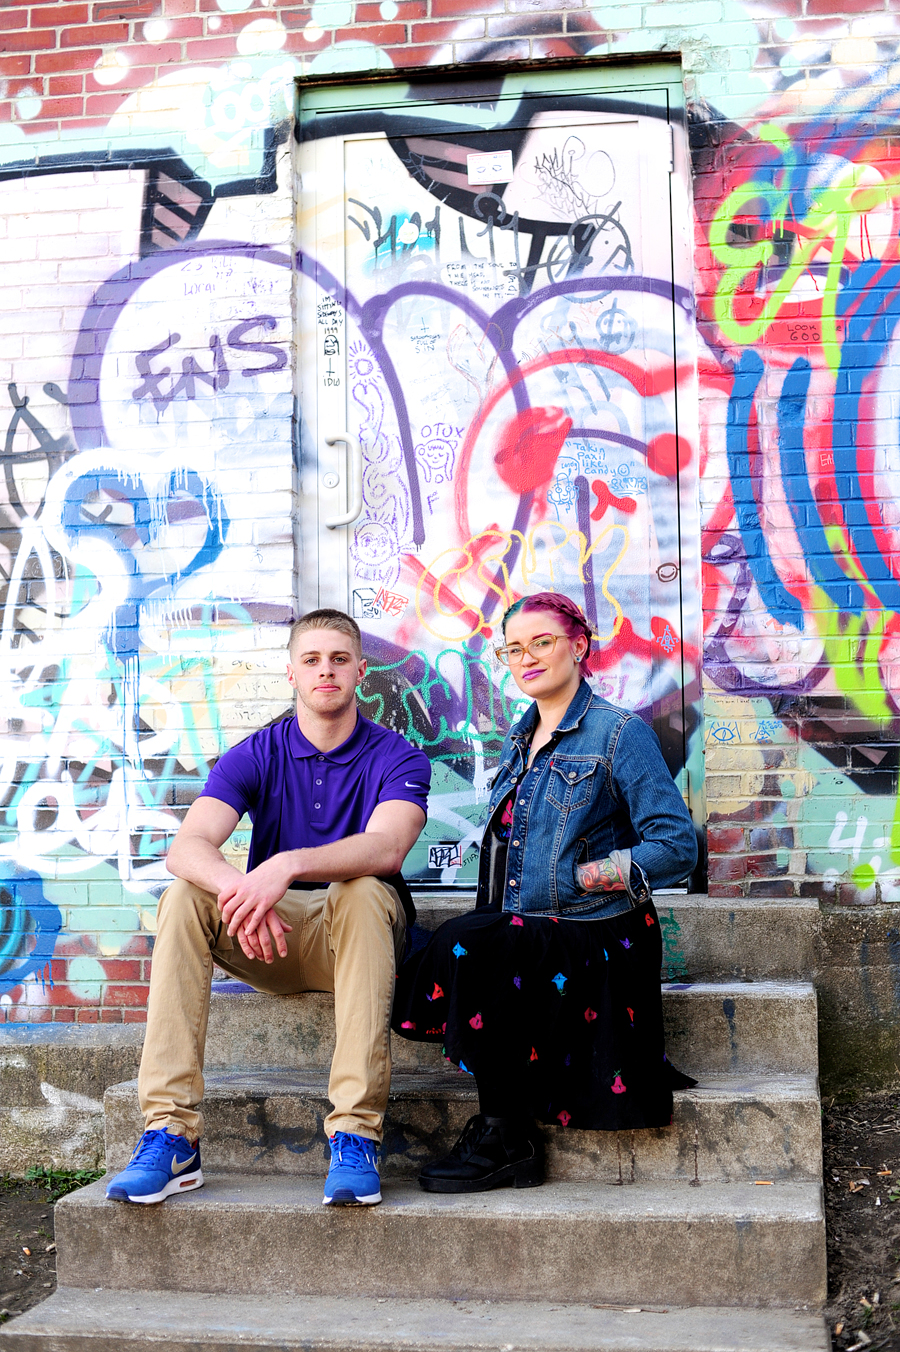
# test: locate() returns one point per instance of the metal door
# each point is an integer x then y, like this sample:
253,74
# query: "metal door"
497,397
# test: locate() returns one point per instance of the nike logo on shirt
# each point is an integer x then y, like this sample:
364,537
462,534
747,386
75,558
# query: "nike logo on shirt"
413,786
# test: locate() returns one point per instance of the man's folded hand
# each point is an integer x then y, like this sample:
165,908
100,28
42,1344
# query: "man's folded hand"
246,905
260,941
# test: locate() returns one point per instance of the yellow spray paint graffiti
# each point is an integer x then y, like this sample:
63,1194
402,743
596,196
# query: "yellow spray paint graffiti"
550,553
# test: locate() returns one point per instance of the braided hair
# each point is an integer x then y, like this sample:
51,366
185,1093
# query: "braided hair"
570,616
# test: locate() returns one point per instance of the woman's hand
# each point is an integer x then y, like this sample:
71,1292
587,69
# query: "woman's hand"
601,875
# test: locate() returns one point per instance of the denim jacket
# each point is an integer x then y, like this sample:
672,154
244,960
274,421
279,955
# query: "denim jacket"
598,787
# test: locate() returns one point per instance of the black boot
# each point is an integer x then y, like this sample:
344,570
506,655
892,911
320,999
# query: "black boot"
491,1151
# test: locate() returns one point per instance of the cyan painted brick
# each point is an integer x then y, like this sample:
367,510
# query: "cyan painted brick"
737,33
618,16
704,14
105,892
64,892
818,835
736,107
103,919
819,864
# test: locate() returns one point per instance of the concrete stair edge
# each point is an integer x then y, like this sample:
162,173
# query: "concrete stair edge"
710,1027
729,1128
737,1244
705,935
725,1241
465,900
77,1320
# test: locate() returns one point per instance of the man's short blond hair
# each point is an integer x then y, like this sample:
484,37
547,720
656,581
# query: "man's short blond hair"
326,619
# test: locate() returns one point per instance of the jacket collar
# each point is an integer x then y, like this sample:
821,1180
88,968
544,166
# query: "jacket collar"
521,733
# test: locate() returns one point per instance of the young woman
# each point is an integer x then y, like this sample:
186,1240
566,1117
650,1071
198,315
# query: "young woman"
549,991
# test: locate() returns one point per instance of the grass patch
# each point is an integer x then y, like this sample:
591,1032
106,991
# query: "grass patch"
60,1182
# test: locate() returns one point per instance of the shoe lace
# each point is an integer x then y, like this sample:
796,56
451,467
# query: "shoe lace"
149,1148
355,1151
470,1136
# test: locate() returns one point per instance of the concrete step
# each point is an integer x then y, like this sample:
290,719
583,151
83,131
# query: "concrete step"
52,1081
726,1244
741,1026
271,1122
735,1026
705,938
75,1058
101,1321
711,939
59,1134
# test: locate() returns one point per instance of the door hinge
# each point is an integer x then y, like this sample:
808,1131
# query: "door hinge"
671,148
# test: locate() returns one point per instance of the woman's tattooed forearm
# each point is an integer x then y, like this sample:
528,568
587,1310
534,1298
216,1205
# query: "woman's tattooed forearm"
601,875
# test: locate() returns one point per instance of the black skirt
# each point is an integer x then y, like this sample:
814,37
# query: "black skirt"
569,1010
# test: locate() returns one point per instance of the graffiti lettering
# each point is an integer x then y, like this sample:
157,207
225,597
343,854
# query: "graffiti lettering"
216,378
446,855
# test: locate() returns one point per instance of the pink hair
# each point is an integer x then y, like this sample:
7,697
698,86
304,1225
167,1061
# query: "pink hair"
570,616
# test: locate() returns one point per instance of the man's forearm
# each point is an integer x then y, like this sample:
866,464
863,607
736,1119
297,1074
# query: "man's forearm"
370,852
197,861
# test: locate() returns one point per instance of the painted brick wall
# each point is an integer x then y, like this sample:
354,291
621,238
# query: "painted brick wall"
148,559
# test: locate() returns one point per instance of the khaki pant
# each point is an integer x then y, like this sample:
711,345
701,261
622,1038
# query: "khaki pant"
347,939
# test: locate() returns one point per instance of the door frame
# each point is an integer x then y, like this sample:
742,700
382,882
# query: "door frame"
620,85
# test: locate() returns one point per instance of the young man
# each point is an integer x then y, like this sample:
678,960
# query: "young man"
337,804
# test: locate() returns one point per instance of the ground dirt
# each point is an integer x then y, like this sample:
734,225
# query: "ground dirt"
862,1174
862,1205
27,1251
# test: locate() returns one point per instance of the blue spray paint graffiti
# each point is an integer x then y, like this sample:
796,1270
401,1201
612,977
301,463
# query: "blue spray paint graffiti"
29,925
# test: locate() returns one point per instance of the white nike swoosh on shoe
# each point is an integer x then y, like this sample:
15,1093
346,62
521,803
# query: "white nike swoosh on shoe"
180,1168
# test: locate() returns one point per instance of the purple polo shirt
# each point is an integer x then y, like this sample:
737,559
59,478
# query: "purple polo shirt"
298,796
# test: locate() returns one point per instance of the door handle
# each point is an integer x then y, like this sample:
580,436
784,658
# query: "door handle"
354,480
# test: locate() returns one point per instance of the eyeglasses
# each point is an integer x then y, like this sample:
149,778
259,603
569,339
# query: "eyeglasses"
539,647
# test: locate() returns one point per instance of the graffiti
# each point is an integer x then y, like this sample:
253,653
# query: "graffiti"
509,307
446,855
29,925
766,731
116,631
217,376
545,554
805,242
847,218
368,603
666,639
436,452
472,345
409,235
571,180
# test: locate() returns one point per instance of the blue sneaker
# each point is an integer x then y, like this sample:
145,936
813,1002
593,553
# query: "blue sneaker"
161,1164
353,1175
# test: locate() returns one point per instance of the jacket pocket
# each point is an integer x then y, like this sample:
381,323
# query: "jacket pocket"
573,780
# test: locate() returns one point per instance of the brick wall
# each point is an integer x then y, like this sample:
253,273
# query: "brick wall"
151,534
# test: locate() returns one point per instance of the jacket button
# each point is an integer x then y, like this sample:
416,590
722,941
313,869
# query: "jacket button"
571,774
512,882
515,842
